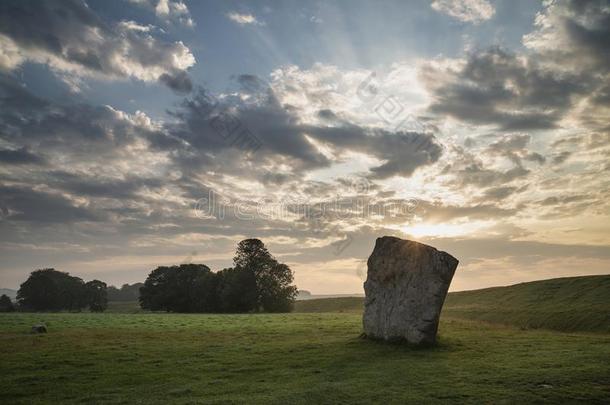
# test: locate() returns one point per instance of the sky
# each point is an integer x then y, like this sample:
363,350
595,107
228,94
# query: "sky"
140,133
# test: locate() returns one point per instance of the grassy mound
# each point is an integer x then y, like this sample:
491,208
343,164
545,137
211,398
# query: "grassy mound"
565,304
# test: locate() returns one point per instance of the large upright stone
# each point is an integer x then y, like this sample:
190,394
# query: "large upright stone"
405,289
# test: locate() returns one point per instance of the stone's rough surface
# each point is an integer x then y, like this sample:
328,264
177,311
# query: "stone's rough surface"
405,289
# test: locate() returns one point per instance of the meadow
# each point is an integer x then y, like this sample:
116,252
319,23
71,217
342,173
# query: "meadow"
289,358
545,341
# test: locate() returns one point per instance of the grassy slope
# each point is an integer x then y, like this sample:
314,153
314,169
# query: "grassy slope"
289,358
343,304
566,304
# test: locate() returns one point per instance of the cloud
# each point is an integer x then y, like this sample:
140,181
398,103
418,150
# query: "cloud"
180,82
437,212
473,11
78,136
24,204
499,88
573,34
467,168
168,11
75,43
500,193
213,125
243,19
19,156
514,148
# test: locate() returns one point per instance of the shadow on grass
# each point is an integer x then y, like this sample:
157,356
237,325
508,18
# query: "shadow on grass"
438,345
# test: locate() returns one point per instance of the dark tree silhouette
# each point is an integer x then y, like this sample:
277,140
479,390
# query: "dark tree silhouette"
52,290
177,288
97,296
205,298
256,283
237,290
275,292
6,305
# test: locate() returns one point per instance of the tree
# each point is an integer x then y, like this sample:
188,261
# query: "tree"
127,292
206,298
237,290
178,289
6,305
52,290
97,296
274,289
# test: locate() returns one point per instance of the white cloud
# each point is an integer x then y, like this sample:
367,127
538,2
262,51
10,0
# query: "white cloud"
10,54
169,11
75,43
134,26
474,11
243,19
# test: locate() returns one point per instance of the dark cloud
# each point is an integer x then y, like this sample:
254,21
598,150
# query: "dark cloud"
35,126
564,199
561,157
214,125
500,193
19,157
28,205
180,82
498,88
514,148
92,186
574,33
468,169
252,84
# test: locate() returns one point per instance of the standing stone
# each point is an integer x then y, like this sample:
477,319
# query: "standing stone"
405,289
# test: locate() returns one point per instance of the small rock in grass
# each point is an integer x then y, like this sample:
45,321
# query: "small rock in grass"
39,328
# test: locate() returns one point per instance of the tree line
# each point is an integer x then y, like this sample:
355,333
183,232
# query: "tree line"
256,282
52,290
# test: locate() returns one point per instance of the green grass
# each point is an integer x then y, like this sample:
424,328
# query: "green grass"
128,356
289,358
564,304
124,307
343,304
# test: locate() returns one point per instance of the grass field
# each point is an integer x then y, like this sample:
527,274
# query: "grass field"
288,358
129,356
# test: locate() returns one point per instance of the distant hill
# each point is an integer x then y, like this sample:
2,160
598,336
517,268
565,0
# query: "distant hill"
12,294
341,304
566,304
306,295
